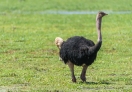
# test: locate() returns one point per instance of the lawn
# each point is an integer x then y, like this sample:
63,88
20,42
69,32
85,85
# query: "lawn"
29,58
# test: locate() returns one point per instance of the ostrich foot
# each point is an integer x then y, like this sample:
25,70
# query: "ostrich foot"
74,79
83,74
83,78
71,66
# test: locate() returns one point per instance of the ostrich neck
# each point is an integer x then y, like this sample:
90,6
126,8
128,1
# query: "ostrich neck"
98,26
97,46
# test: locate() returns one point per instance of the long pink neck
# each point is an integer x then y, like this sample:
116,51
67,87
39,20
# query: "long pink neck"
97,46
98,26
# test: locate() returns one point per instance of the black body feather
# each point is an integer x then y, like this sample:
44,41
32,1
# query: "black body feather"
77,50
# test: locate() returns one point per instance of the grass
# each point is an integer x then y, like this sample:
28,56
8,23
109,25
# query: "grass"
29,59
28,5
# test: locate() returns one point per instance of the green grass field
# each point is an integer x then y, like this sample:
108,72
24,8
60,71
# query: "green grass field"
29,58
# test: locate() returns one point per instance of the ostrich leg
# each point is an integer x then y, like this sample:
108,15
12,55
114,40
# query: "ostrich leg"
71,66
83,74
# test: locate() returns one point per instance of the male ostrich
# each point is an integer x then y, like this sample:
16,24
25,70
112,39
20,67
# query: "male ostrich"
80,51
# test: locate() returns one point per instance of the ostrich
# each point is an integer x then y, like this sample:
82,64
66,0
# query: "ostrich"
80,51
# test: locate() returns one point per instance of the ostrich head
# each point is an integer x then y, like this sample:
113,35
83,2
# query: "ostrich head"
58,42
100,15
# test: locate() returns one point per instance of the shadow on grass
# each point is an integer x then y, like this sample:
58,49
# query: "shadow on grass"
96,83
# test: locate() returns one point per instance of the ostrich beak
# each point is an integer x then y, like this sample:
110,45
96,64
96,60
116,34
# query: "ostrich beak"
106,14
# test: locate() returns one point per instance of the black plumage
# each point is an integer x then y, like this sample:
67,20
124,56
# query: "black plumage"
76,50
